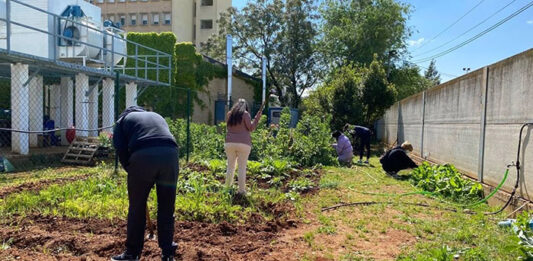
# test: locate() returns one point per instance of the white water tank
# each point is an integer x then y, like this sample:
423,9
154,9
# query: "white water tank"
118,45
33,42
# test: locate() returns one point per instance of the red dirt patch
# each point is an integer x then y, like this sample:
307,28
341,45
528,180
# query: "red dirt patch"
49,238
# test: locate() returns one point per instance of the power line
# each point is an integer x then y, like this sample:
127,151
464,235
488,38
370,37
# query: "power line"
451,25
440,72
467,31
527,6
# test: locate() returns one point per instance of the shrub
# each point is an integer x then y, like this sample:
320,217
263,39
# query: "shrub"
446,181
308,144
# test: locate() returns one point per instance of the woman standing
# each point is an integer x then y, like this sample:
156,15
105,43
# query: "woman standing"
239,141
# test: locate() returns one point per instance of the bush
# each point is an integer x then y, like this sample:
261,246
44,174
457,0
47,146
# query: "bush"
308,144
446,181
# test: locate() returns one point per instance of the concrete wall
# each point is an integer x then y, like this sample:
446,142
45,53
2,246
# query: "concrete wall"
472,122
217,90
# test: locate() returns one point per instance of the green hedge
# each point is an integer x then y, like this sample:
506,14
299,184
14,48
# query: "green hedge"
189,71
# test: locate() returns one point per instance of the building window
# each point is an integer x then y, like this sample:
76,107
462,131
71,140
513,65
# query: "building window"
133,19
155,19
206,24
100,1
167,19
207,2
122,20
144,18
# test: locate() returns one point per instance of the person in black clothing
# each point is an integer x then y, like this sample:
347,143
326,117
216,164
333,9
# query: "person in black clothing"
364,135
397,159
149,154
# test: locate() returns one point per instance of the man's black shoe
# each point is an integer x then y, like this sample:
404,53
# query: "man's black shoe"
125,257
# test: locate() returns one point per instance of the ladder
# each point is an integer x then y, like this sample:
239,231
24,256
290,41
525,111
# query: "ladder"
81,151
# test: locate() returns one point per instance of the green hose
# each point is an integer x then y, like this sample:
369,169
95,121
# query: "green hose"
427,193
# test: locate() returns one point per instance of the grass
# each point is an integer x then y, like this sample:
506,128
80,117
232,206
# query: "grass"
398,230
14,179
380,231
200,197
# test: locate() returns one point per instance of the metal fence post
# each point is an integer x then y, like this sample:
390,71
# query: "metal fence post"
113,54
56,39
157,70
117,88
188,122
483,123
8,25
136,61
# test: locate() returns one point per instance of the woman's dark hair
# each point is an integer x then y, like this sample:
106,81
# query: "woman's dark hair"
336,134
236,112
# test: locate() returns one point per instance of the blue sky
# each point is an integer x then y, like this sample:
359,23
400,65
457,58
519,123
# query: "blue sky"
430,17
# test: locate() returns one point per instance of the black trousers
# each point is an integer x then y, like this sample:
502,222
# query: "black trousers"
159,166
364,144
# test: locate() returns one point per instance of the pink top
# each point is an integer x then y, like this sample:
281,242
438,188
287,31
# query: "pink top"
240,133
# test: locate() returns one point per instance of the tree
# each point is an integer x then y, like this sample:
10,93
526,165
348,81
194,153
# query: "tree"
408,80
319,102
359,95
354,30
283,32
432,74
378,93
347,104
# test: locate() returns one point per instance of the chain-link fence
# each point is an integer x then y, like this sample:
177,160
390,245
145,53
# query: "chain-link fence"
46,113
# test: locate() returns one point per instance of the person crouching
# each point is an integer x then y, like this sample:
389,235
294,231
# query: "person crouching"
344,149
396,159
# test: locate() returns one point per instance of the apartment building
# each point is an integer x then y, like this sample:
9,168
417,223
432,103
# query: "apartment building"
191,20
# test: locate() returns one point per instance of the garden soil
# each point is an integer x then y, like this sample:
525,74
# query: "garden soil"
55,238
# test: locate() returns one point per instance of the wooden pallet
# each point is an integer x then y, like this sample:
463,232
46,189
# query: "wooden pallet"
81,151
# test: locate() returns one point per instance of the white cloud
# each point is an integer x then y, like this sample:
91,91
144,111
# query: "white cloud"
529,22
416,42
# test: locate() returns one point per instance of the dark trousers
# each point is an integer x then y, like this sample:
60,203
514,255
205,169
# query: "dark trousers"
364,144
159,166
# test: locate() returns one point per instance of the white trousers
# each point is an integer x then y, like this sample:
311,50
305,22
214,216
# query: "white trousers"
237,152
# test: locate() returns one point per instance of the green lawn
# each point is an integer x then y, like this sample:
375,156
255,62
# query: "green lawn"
392,229
396,230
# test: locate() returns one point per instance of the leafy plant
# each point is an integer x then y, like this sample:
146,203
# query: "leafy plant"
254,167
525,234
301,184
446,181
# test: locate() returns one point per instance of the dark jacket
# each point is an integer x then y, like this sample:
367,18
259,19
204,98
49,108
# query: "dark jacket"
396,159
361,132
137,129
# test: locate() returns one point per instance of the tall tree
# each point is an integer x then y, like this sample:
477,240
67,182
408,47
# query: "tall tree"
408,80
378,93
347,104
355,30
357,95
432,74
282,31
